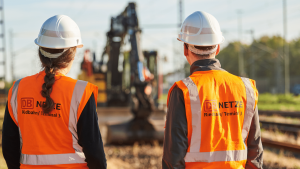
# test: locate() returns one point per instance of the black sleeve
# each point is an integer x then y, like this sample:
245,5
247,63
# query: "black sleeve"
255,149
175,139
10,142
89,136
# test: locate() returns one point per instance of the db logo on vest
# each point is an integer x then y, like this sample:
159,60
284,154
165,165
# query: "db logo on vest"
210,105
27,103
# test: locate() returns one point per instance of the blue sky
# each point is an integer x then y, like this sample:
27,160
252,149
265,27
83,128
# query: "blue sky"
25,18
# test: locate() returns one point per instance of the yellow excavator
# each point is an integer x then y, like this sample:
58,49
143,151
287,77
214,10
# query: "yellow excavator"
126,79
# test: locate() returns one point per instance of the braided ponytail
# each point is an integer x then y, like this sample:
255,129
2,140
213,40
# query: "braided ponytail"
51,66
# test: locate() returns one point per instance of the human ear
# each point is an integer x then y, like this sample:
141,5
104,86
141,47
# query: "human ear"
185,49
218,50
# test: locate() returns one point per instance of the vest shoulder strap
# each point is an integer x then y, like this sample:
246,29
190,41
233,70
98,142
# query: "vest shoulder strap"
253,85
251,101
89,89
13,102
187,102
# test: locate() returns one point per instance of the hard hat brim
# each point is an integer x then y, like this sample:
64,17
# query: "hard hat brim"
56,47
201,44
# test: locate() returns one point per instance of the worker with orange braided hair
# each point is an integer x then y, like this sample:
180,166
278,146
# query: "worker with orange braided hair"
50,119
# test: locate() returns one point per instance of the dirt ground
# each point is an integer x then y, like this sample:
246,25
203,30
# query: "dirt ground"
150,157
137,156
134,157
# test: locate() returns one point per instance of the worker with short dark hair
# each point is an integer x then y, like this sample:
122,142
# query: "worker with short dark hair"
212,118
51,119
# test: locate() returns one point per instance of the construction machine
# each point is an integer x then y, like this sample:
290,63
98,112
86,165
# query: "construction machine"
126,79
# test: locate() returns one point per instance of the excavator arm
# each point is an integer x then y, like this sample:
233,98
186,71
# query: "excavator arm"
137,94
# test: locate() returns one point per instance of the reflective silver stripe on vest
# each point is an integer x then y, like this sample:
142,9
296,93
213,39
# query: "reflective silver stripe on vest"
76,98
14,106
14,100
231,155
196,114
249,111
70,158
51,159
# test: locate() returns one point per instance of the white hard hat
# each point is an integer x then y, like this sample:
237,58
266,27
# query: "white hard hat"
59,32
201,29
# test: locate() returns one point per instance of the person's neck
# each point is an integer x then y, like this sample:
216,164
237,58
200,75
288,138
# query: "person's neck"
63,71
66,70
194,59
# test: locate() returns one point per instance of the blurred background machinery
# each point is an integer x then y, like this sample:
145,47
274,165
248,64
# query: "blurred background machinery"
125,79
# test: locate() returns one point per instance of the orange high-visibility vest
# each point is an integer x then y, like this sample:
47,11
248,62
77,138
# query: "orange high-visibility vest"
219,109
49,140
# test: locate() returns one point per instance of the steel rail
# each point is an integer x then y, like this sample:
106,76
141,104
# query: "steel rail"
280,124
280,145
282,127
276,144
279,113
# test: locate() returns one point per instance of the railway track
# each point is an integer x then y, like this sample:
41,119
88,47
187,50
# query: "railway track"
275,144
286,128
281,145
282,127
279,113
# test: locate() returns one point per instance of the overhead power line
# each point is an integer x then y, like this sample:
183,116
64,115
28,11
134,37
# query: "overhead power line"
83,9
25,48
159,26
156,41
148,5
159,14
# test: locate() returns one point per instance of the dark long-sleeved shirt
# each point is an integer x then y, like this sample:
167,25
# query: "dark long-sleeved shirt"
176,140
89,138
